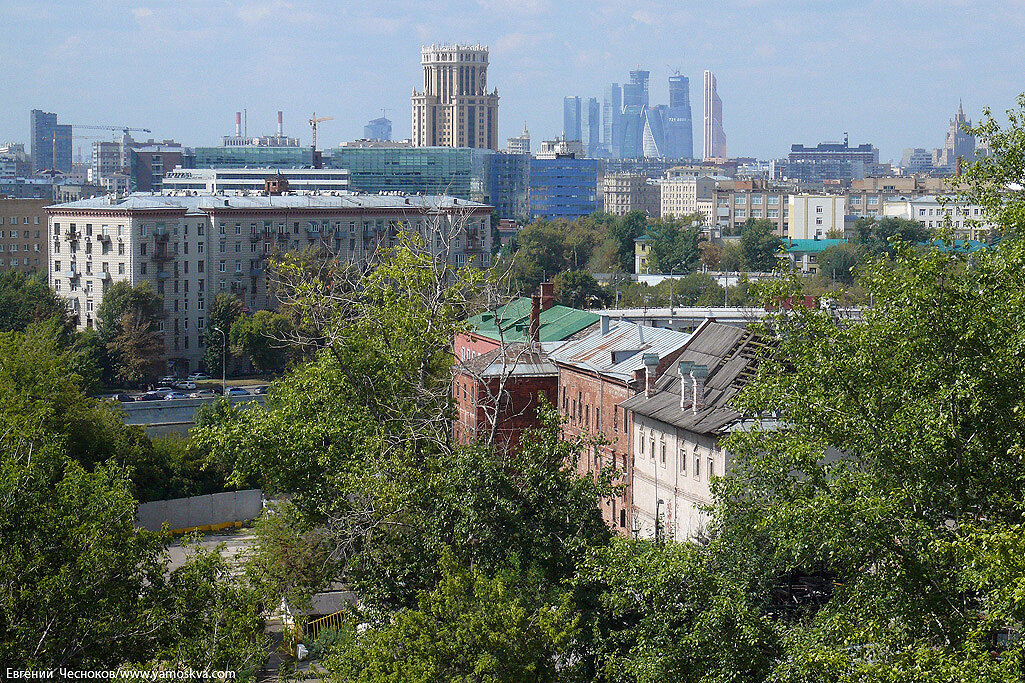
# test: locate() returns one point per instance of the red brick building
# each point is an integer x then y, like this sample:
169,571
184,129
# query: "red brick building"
599,371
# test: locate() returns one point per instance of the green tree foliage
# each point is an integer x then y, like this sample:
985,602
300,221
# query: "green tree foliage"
127,325
470,628
921,404
263,338
579,289
759,245
876,237
731,260
224,311
80,587
840,263
623,231
27,298
674,245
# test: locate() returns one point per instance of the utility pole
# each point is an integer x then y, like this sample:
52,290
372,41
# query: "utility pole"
224,359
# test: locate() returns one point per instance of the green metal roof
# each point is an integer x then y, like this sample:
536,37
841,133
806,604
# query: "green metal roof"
810,246
557,323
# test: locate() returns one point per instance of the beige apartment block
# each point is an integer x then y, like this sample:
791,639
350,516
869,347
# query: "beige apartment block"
191,248
684,195
867,197
23,234
737,201
816,216
626,192
455,109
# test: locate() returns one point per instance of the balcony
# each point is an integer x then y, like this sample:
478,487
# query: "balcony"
70,274
255,237
160,233
104,275
161,256
256,272
72,235
163,274
103,237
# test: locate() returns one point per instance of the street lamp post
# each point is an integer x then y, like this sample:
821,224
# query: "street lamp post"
224,358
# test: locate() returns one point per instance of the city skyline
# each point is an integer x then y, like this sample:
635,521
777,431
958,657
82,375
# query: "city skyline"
885,74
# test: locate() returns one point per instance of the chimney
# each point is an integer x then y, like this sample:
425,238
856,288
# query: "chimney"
638,379
281,125
604,321
640,335
699,373
238,124
685,382
547,295
535,319
650,370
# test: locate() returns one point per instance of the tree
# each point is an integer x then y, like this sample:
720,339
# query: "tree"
898,446
674,245
224,311
127,325
27,298
732,258
579,289
623,231
470,628
263,338
760,245
839,263
878,236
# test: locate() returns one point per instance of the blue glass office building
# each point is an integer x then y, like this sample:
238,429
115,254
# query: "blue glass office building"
454,171
564,187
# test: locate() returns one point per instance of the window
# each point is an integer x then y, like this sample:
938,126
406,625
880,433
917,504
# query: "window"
142,268
697,466
818,209
120,269
683,460
663,454
222,267
199,248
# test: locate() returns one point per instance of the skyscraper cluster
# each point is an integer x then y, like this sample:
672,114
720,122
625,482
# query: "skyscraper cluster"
627,126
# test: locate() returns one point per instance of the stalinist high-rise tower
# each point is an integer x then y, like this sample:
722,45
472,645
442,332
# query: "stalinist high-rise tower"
455,108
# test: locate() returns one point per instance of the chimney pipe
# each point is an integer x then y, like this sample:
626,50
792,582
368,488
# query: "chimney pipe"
604,321
699,373
281,125
547,295
650,369
238,124
535,319
685,382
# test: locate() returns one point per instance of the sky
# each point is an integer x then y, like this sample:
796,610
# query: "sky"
789,71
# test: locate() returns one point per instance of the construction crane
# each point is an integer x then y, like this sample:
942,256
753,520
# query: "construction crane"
314,120
123,129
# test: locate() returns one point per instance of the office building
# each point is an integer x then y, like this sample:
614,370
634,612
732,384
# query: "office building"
612,112
833,161
23,235
966,221
253,156
455,109
916,161
457,172
378,129
564,187
148,162
509,185
51,143
737,201
638,90
590,128
714,135
190,248
571,118
626,192
560,147
653,139
519,144
253,180
678,126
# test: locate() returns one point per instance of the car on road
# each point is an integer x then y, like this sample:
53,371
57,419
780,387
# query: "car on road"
235,391
197,376
167,381
123,398
174,395
260,389
156,395
185,385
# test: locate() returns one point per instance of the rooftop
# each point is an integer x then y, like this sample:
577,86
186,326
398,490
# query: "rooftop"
729,353
619,352
511,323
200,202
811,246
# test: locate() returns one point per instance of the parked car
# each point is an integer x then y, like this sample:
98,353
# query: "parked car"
196,376
260,390
235,391
167,381
123,398
175,395
151,396
185,385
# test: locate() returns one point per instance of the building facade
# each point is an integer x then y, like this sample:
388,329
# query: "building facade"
958,146
191,248
571,118
378,129
626,192
214,180
833,161
679,127
816,216
736,201
564,187
714,145
23,235
597,373
461,172
455,109
867,197
51,142
966,221
676,427
519,144
685,195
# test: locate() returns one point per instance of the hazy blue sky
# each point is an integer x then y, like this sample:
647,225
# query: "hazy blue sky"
889,72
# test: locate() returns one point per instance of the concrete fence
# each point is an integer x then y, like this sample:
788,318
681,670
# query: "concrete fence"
201,513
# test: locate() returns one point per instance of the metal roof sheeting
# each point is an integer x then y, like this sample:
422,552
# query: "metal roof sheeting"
558,323
619,352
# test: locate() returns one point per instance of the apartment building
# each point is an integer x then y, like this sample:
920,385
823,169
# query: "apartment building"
23,240
686,194
738,200
816,216
190,248
968,221
626,192
866,197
